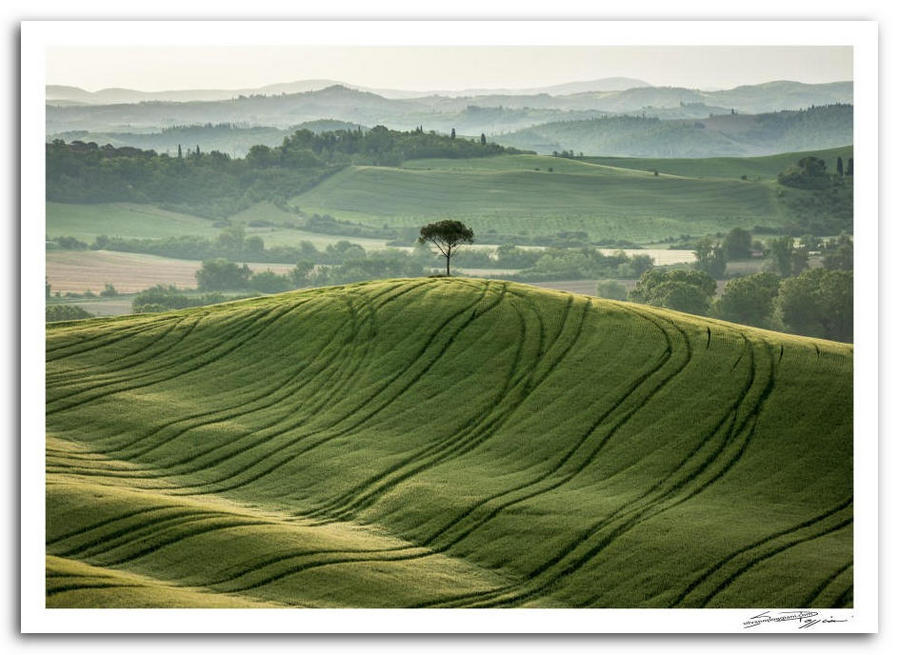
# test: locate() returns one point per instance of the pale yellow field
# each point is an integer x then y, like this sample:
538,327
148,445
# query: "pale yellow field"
82,270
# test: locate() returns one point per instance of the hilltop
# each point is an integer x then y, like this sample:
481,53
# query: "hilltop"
445,442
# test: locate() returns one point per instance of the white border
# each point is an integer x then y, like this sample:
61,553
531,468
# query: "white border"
37,36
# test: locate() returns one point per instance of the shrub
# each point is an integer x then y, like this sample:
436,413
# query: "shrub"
66,313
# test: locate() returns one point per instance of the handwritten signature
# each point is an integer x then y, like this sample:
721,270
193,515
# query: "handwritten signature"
804,618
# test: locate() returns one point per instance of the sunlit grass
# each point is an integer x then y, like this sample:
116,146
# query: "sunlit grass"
445,442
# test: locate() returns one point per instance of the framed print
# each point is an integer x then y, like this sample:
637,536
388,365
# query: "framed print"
449,327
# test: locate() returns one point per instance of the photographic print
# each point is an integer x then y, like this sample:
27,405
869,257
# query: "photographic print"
336,323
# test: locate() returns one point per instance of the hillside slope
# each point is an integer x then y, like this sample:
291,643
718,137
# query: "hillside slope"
536,195
768,166
433,442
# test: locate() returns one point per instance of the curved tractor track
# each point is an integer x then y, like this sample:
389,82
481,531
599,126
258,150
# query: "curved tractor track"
445,443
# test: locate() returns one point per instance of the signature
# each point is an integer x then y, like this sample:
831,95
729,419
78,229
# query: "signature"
804,618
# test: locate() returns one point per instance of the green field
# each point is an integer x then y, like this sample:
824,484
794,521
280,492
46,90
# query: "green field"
729,167
506,195
134,221
122,219
609,198
445,443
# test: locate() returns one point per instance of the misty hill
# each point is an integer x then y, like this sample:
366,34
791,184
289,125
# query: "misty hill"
445,442
716,136
437,112
58,94
566,88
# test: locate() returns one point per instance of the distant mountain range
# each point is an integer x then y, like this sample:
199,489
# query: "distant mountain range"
563,117
70,95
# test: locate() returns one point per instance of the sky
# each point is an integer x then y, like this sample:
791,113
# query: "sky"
450,68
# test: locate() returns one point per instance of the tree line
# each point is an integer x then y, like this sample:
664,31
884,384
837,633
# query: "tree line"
215,185
789,296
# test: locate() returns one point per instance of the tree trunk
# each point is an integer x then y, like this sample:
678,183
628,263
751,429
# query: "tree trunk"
448,264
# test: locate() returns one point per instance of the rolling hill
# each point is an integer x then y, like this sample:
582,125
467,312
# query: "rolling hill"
506,111
733,135
767,167
609,198
533,195
57,94
445,443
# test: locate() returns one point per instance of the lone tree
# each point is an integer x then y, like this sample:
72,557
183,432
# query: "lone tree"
447,236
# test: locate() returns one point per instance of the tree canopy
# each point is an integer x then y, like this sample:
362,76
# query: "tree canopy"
818,303
686,291
446,236
748,299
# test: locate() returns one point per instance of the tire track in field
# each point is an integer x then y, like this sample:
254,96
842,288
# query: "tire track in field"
219,415
160,539
167,376
360,406
664,502
430,541
119,447
132,532
749,565
747,426
258,564
439,550
591,456
384,403
688,478
340,558
845,598
95,585
414,285
259,439
354,557
568,456
145,324
124,334
240,325
457,442
722,563
425,458
822,586
595,528
273,398
68,374
60,574
104,523
456,445
230,413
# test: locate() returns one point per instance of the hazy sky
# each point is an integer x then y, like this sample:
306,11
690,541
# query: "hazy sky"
423,68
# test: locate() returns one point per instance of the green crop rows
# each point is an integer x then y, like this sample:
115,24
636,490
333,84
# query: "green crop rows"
445,443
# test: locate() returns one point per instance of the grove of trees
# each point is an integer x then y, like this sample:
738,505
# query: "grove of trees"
686,291
215,185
